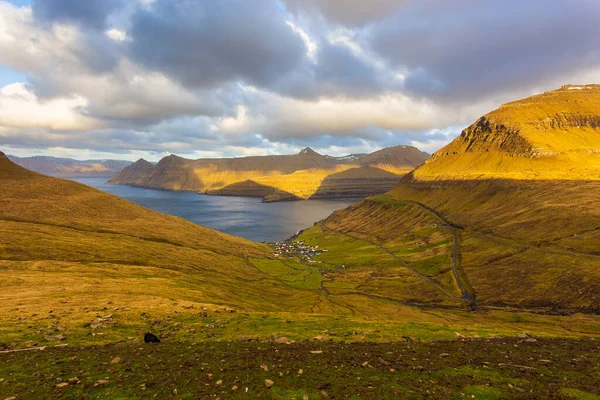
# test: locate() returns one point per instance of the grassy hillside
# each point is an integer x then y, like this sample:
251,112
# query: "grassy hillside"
473,235
551,136
84,274
70,248
289,177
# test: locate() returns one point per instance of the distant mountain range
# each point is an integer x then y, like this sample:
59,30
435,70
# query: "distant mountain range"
306,175
70,168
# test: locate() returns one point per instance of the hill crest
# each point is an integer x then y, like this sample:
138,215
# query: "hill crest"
553,135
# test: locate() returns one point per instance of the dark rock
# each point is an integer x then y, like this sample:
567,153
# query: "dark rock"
150,338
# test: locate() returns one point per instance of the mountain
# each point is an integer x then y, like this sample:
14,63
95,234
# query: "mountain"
70,168
507,215
307,174
553,135
133,173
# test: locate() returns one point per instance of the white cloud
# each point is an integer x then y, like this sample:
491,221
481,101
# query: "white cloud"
21,108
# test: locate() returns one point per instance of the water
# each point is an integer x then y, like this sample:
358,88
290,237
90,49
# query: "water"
240,216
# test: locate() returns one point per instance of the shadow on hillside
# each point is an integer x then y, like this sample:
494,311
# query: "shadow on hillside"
249,188
356,182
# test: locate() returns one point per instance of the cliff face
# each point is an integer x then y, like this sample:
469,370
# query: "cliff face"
555,135
285,177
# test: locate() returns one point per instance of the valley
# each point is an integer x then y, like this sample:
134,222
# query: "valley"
471,282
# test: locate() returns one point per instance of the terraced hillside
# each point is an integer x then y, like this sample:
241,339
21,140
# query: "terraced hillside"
290,177
476,226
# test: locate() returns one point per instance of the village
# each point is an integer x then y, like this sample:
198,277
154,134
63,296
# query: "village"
298,249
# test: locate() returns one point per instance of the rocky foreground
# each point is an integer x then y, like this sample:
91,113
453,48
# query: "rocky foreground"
522,368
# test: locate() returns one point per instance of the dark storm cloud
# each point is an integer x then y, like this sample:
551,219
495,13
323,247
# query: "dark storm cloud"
87,13
463,49
337,72
204,43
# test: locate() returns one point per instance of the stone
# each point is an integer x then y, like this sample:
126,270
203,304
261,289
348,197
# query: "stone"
269,383
150,338
316,352
282,340
74,380
102,382
458,336
116,360
234,388
319,338
62,385
300,372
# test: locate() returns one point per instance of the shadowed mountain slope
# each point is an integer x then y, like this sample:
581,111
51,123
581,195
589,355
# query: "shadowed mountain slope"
508,214
296,176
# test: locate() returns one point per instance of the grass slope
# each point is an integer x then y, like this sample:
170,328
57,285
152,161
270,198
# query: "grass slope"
484,239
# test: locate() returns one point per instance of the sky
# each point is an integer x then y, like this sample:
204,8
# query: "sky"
126,79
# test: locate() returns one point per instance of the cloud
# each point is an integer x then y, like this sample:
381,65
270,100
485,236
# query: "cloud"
238,77
20,108
347,12
468,49
86,13
203,44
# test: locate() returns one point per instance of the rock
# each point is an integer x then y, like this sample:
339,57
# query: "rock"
546,361
62,385
300,372
269,383
150,338
324,394
282,340
102,382
365,364
116,360
219,382
264,367
458,336
234,388
174,392
316,352
319,338
11,398
324,386
444,355
74,380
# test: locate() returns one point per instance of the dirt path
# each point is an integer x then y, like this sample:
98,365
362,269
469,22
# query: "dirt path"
464,298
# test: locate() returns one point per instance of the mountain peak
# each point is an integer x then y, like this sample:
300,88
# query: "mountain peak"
308,151
3,156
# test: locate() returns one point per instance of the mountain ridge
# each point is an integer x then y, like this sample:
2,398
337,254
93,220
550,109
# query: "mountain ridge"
553,135
70,168
278,177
